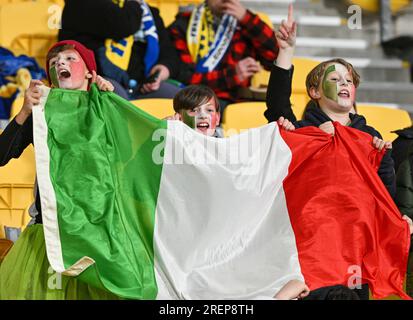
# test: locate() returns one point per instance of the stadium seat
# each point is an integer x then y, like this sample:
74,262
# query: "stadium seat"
266,18
25,27
242,116
249,115
16,191
159,108
245,115
16,185
302,67
373,5
385,120
260,79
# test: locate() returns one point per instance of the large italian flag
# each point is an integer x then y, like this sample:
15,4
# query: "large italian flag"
147,208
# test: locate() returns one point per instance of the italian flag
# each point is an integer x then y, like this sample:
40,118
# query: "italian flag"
151,209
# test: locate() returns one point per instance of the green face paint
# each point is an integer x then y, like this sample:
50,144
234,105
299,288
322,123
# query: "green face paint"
53,76
330,87
189,120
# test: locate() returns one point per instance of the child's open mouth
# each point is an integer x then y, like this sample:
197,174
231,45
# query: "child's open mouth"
344,94
64,74
202,126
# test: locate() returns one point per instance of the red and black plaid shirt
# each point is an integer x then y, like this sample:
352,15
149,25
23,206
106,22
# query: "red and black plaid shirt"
253,38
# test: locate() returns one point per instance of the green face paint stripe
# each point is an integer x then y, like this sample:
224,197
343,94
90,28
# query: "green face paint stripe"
330,88
188,120
53,76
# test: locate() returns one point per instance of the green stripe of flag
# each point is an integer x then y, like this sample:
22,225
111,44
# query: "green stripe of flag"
105,197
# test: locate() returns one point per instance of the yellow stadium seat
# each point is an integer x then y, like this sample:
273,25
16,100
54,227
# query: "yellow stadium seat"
242,116
266,18
385,120
159,108
16,191
261,78
374,6
302,68
29,27
299,102
245,115
16,185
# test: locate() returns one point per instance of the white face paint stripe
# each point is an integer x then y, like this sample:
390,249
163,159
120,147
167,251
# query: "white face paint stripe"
344,75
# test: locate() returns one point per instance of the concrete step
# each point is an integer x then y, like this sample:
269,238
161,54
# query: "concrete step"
386,70
401,75
371,52
386,92
313,7
371,35
407,107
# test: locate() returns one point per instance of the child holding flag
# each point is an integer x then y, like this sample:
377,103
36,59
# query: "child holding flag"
332,86
25,273
198,107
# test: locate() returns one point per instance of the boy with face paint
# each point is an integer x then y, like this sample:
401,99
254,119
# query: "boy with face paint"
332,87
198,107
69,66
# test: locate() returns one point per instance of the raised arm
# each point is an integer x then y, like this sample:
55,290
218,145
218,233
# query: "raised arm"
279,86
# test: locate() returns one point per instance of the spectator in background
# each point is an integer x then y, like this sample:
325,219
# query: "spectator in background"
403,164
130,43
219,42
401,146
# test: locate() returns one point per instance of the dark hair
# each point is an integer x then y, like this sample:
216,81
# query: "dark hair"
341,293
193,96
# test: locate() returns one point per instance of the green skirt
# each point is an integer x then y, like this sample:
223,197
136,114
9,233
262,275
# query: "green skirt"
25,274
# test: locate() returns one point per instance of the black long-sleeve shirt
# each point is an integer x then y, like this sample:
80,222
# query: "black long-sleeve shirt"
91,22
13,141
279,105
